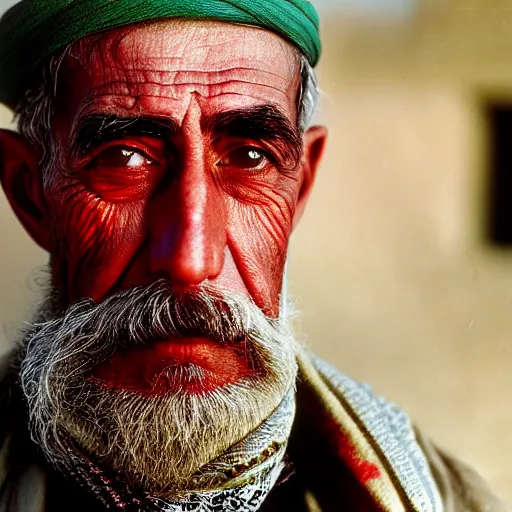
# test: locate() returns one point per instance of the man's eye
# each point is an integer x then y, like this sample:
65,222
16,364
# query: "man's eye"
245,158
122,157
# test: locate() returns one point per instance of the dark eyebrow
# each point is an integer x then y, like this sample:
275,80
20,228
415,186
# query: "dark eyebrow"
96,129
263,122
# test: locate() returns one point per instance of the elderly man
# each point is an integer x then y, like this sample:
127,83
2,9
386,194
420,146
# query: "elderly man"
164,156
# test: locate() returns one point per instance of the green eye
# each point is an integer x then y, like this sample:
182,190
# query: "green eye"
245,158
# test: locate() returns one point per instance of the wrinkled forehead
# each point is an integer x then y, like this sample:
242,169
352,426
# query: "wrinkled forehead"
170,59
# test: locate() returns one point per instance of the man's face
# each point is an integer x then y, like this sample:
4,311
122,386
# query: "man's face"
180,159
177,175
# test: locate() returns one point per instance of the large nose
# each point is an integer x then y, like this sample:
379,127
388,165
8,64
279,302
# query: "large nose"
188,223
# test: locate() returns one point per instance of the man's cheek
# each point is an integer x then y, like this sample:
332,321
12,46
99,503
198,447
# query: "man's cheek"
258,237
100,240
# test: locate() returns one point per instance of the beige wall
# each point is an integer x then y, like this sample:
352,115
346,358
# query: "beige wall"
389,266
397,284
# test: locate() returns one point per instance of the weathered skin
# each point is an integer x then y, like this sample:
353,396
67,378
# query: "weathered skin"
191,204
177,156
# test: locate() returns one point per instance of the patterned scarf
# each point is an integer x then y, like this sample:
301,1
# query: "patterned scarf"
245,474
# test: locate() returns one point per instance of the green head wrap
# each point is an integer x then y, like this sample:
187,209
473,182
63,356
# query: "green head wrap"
33,30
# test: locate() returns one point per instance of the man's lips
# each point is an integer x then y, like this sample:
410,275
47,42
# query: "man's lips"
195,365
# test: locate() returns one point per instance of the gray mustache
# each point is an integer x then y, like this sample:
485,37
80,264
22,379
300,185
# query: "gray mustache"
153,313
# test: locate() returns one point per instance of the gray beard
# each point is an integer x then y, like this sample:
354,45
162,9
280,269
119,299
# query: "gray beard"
157,444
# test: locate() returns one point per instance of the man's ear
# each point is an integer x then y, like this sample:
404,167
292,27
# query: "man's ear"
314,144
21,180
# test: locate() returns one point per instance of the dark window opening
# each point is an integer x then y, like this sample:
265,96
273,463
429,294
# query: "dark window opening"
500,186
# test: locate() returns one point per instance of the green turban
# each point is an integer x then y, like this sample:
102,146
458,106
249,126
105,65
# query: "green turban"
33,30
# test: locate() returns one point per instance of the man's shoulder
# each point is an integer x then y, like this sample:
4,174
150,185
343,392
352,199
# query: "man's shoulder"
462,488
22,479
371,436
429,478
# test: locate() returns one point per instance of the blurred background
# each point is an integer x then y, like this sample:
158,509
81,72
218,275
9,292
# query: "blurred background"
402,266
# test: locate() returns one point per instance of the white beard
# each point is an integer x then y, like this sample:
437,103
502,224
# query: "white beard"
159,443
